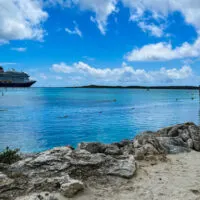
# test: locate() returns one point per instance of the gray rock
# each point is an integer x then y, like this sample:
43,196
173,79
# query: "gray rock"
112,150
136,144
194,132
56,159
173,145
185,135
124,168
196,145
92,147
96,147
139,154
145,139
174,132
190,143
123,143
4,180
39,196
85,158
71,188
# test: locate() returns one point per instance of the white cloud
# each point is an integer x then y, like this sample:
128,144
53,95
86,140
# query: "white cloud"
123,75
21,19
164,51
102,9
76,30
19,49
152,28
160,9
62,67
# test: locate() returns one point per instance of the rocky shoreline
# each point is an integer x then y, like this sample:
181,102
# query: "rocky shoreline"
64,172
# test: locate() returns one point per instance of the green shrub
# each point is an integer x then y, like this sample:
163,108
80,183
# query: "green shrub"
9,156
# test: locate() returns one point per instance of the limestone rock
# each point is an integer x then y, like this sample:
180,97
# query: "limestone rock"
112,150
124,168
185,135
194,132
196,145
190,143
71,188
85,158
139,154
96,147
92,147
39,196
4,180
173,145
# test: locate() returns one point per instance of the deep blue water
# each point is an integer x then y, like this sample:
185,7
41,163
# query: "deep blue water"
37,119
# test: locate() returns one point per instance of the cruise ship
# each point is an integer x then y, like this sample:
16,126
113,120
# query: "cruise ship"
13,78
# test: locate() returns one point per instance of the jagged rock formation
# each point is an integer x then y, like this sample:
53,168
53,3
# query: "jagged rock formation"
65,171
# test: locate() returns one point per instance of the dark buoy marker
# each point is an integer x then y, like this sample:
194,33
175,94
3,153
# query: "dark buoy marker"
199,93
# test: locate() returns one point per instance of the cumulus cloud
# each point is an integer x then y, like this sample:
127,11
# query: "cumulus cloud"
76,30
154,30
19,49
190,9
123,75
164,51
156,9
21,19
101,9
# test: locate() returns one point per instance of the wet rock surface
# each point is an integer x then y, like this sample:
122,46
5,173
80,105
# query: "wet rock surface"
67,171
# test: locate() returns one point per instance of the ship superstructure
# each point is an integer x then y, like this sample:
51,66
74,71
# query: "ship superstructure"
13,78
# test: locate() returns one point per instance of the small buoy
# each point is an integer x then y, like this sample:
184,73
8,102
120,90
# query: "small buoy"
64,117
114,100
3,110
192,98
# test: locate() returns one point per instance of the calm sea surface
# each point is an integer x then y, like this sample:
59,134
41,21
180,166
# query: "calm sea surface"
37,119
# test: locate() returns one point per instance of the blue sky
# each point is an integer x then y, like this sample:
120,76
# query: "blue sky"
107,42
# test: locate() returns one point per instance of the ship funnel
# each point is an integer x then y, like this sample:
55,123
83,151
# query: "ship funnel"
1,69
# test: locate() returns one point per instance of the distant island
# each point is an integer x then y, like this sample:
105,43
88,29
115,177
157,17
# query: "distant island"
141,87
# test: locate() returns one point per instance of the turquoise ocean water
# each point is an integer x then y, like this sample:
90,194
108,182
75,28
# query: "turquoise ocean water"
37,119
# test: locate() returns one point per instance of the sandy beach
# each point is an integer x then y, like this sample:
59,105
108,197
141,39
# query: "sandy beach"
176,179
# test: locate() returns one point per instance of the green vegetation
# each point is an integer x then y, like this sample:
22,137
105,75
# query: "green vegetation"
9,156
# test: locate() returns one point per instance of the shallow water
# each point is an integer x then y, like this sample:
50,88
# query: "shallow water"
37,119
